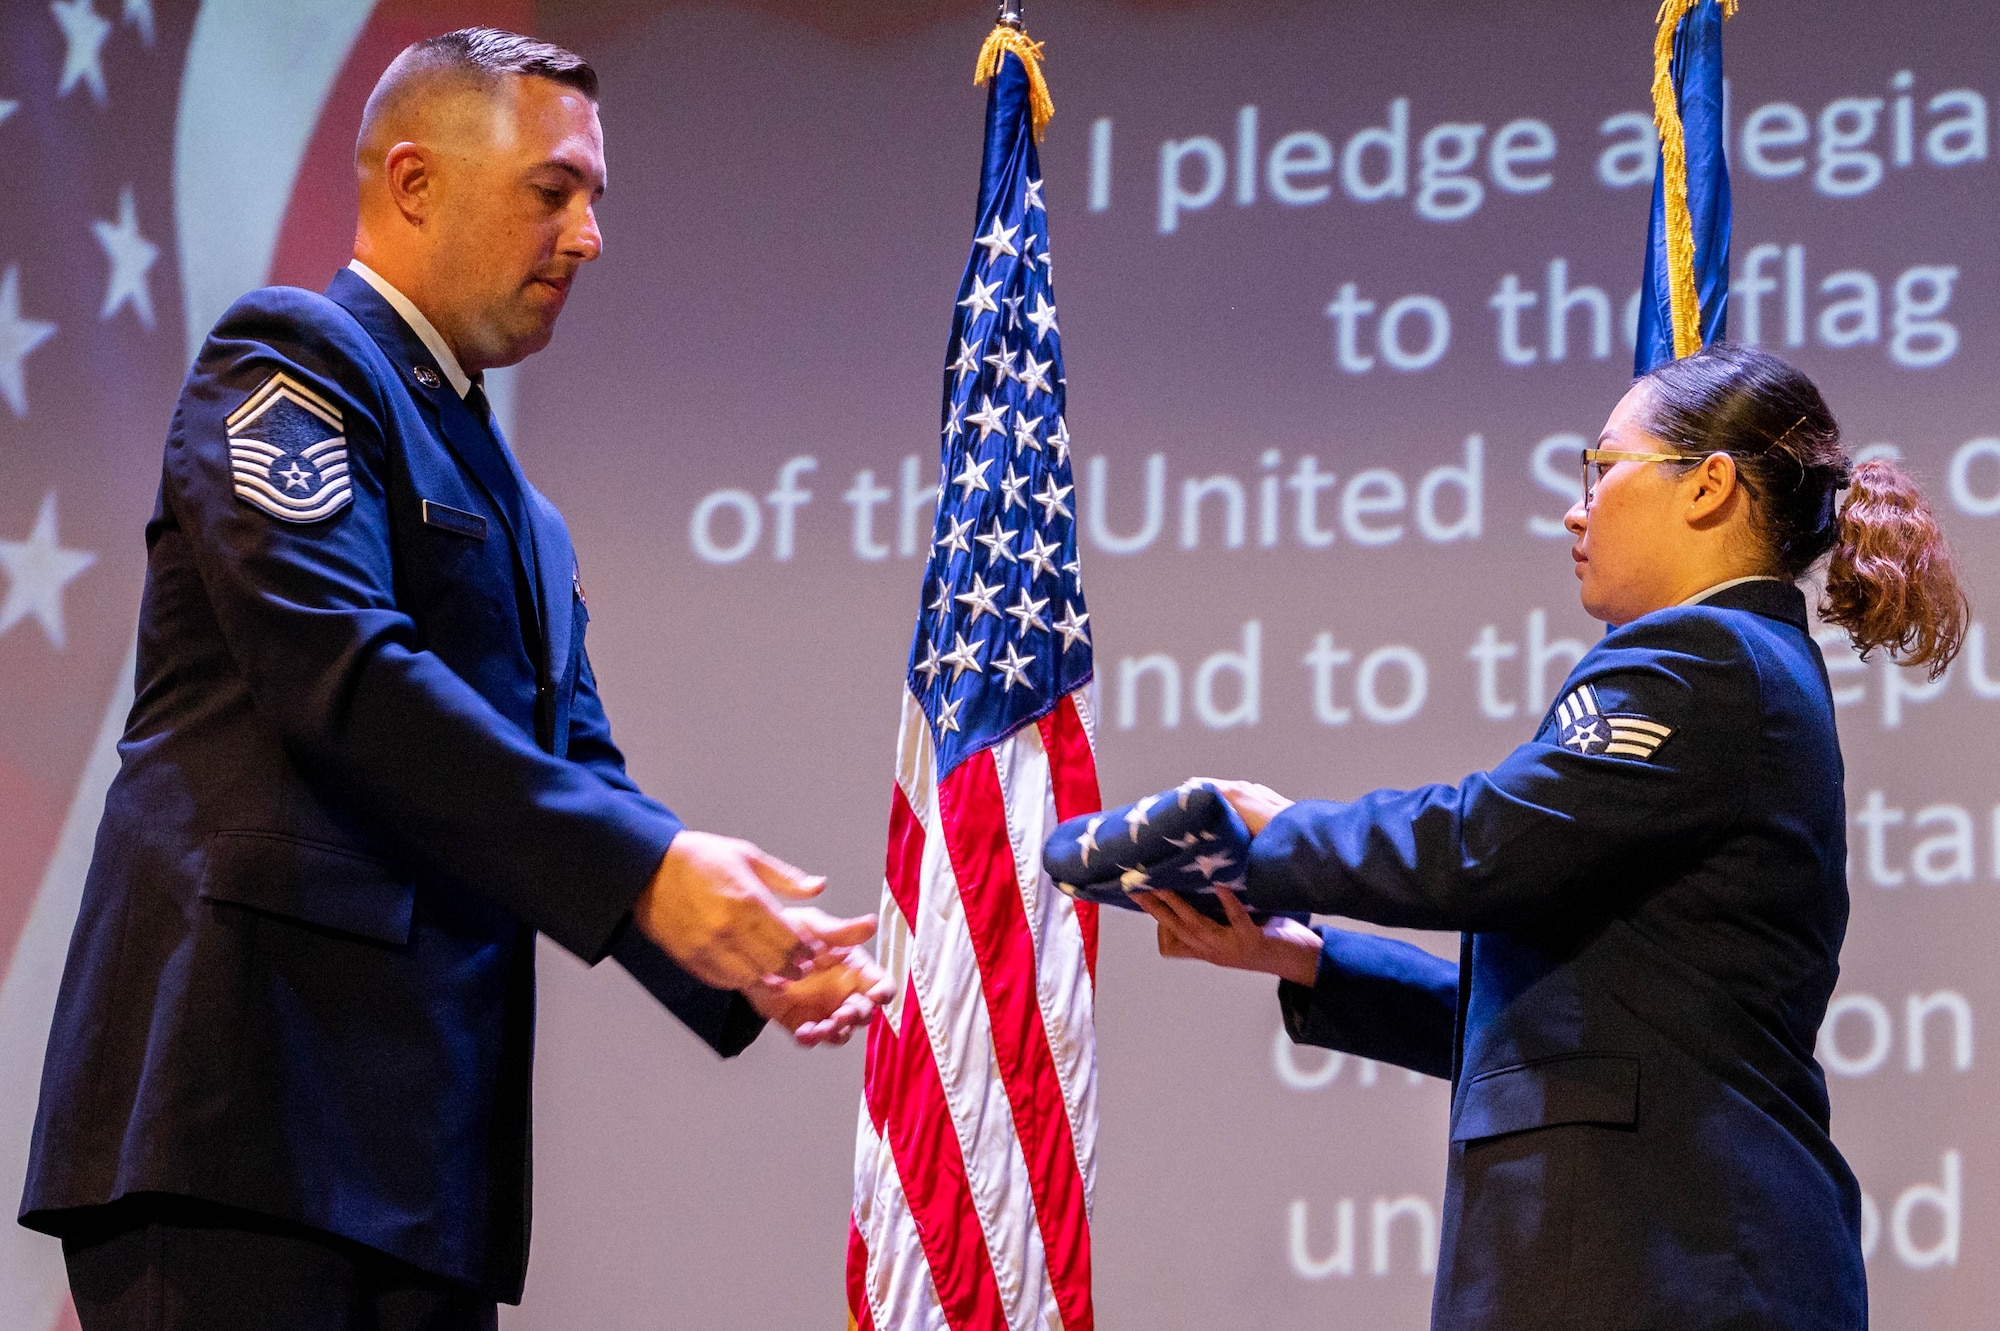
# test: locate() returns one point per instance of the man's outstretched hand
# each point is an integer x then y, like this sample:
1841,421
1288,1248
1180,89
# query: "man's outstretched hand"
838,995
714,907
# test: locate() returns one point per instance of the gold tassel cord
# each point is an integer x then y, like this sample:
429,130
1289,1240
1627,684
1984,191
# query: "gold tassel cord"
1682,295
998,43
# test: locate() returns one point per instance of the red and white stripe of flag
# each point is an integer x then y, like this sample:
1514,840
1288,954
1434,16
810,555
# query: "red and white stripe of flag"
976,1155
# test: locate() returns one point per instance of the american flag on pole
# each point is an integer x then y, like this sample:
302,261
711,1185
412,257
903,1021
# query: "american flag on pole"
976,1151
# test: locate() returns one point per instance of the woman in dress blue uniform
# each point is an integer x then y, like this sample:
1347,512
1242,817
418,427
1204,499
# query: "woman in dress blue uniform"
1651,892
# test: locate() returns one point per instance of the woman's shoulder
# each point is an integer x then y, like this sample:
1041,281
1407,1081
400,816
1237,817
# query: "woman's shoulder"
1722,630
1687,667
1676,639
1729,658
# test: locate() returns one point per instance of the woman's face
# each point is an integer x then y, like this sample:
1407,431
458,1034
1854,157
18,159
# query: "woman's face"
1630,541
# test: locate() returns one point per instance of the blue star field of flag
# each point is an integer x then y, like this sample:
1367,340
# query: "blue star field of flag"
1003,633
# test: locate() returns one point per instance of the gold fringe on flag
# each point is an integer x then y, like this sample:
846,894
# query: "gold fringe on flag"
1685,299
999,42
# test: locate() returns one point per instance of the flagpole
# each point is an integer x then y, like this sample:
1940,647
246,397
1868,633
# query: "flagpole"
1010,14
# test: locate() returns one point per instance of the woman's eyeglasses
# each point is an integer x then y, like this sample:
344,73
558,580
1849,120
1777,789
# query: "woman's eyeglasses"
1597,461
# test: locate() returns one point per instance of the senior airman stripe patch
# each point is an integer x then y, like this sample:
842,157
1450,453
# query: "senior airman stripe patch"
1583,726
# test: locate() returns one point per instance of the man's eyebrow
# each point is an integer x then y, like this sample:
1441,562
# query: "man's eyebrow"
572,170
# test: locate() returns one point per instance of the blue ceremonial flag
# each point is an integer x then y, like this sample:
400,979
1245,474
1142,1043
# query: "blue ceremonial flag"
1687,239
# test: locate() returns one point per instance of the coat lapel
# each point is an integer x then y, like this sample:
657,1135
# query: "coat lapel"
477,451
557,564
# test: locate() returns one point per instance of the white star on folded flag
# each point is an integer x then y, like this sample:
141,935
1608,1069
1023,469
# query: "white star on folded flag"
1011,486
999,543
1002,361
954,536
1135,817
979,600
980,299
1071,627
1028,613
968,359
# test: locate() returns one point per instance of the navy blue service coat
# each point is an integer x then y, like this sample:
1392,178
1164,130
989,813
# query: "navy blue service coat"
366,763
1652,895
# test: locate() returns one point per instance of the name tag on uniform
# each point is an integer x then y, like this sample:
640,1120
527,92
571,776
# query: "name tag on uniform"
454,520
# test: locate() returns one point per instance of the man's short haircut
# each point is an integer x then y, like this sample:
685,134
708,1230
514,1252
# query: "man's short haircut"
487,53
476,58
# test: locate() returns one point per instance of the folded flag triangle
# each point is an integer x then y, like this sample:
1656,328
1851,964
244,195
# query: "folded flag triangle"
1187,840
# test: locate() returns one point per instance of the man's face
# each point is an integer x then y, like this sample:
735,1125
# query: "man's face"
515,217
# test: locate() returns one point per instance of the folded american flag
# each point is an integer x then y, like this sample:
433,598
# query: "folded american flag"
1186,840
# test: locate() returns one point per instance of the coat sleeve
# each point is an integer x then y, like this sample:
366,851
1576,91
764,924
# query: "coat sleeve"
1531,840
309,615
1377,998
721,1017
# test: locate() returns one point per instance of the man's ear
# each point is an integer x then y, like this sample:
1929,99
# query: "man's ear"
406,170
1715,484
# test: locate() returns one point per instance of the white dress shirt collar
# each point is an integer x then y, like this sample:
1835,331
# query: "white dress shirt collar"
461,383
1703,595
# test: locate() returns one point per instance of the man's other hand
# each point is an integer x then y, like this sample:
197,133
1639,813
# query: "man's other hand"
838,996
713,906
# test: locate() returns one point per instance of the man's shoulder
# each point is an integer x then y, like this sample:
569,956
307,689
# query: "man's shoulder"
303,335
282,315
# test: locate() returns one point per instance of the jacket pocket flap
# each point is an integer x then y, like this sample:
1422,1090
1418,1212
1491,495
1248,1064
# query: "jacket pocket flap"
310,882
1570,1088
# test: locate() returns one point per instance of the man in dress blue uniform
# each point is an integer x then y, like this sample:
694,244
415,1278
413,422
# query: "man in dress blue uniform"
288,1081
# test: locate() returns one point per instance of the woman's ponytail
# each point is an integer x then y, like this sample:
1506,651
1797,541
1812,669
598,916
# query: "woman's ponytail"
1890,580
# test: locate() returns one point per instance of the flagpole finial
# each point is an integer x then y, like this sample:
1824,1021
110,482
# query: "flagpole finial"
1010,37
